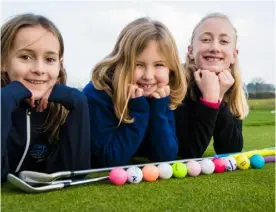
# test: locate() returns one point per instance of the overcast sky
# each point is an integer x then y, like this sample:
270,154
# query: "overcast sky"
90,29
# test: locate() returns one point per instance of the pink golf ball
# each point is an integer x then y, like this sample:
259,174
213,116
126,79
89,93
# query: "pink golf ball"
219,165
194,168
118,176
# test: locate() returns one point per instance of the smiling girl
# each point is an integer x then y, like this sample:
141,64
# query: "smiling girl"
133,93
44,123
215,104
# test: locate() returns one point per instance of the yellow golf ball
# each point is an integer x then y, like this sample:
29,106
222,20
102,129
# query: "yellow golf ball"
243,162
179,170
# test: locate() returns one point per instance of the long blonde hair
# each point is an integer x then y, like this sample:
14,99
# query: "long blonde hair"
57,113
236,98
116,71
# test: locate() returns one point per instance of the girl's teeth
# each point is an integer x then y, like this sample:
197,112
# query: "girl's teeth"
212,59
36,82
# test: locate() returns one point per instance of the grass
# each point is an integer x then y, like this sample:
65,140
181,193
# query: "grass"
250,190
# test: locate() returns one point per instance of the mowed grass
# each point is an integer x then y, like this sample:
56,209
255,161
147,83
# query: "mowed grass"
249,190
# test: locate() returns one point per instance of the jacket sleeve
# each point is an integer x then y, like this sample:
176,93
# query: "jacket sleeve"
195,124
114,145
228,132
11,96
73,150
163,141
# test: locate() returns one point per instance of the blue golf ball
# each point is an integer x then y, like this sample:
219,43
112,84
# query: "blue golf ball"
257,161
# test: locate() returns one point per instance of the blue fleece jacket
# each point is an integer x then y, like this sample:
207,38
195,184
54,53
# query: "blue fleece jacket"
152,134
70,152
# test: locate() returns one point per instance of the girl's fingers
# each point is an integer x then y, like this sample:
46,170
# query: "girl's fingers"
155,95
197,75
167,90
139,92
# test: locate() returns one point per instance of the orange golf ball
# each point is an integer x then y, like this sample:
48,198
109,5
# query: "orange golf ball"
150,173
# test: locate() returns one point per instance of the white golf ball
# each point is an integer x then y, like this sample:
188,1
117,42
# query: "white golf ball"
134,174
165,170
207,166
230,163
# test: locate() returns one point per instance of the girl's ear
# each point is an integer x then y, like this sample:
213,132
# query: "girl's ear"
235,55
190,52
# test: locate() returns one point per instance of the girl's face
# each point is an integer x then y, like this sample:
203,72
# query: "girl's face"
213,47
34,59
151,70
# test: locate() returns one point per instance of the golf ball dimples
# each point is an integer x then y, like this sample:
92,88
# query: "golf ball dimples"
243,162
230,163
219,165
150,173
134,174
257,161
193,168
207,166
165,171
179,170
118,176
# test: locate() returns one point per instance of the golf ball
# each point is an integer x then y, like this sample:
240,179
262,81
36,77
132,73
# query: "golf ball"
207,166
118,176
219,165
165,171
150,173
243,162
194,168
257,161
134,174
230,163
179,170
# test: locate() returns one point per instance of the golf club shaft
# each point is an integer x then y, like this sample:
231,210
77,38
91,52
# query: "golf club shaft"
90,171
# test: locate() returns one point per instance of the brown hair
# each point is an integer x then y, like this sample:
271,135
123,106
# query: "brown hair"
57,113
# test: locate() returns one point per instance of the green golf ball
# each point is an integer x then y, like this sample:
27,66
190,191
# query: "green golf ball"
179,170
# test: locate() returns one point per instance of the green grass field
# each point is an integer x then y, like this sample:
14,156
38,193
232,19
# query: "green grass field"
250,190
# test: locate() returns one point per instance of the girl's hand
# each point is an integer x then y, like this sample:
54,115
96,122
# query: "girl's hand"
161,92
208,84
135,91
43,103
226,80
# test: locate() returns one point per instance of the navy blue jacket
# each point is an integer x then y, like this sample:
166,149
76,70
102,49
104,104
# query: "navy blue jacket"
152,134
70,152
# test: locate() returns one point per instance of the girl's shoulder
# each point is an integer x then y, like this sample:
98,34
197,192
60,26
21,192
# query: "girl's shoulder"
92,93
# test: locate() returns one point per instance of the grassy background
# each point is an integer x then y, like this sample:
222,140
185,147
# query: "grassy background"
250,190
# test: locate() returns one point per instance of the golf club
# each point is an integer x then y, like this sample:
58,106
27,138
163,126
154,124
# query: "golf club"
28,176
18,183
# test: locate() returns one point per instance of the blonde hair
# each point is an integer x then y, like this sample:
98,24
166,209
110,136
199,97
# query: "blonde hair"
236,98
57,113
116,71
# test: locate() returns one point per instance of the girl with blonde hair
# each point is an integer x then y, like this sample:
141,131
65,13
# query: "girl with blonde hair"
44,123
215,104
133,93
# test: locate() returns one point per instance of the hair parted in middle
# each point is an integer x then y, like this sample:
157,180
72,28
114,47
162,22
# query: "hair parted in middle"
236,98
115,73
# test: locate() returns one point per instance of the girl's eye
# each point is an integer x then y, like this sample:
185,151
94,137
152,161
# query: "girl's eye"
224,42
159,64
50,59
25,57
206,40
139,65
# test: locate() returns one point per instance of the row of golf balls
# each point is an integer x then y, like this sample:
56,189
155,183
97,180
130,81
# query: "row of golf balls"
150,173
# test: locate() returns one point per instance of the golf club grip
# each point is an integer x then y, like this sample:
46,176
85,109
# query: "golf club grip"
90,171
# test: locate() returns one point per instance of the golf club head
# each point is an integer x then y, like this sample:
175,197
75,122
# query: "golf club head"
18,183
29,176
